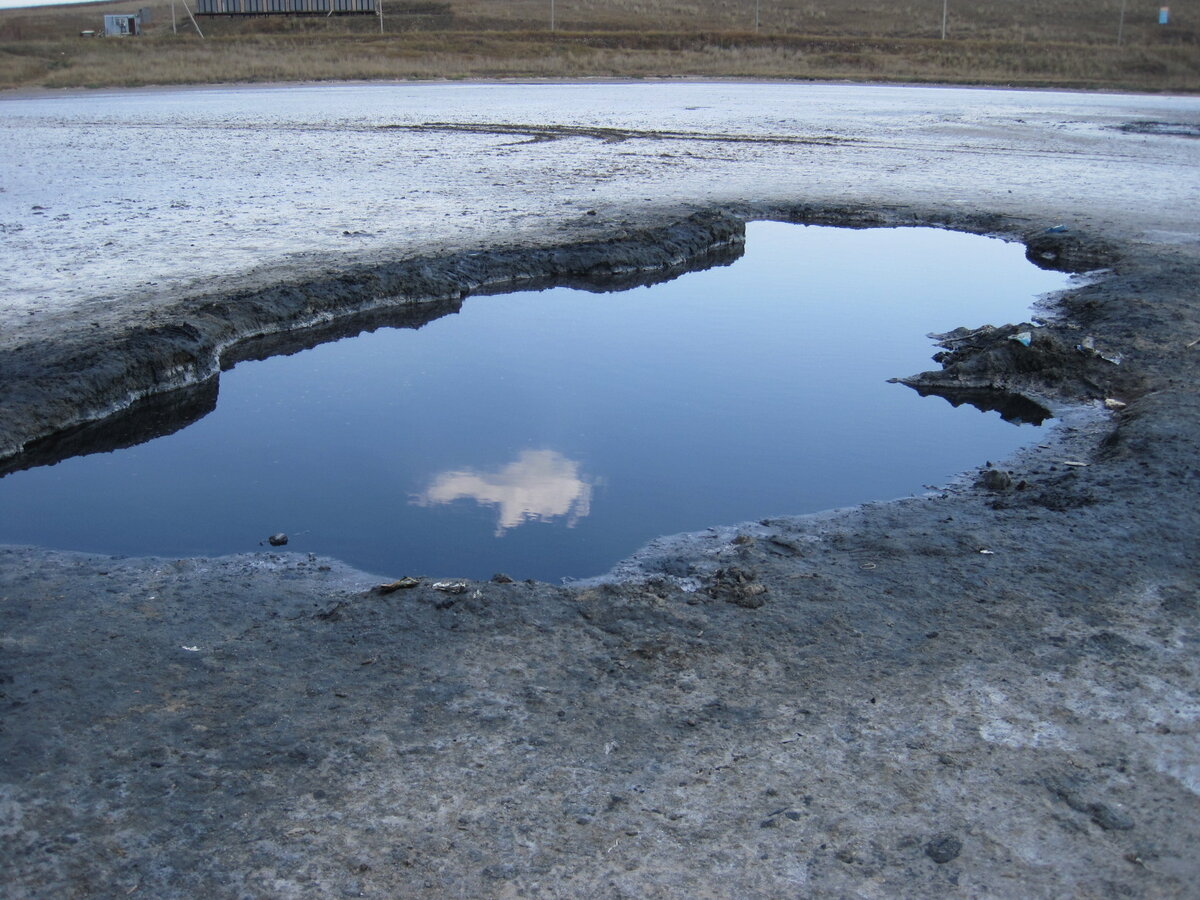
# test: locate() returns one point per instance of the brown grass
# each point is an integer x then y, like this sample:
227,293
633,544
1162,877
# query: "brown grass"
1067,43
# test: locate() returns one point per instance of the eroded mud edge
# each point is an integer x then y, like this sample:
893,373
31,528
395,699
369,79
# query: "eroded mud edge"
86,373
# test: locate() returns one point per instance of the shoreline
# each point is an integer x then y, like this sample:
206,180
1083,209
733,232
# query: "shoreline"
991,690
37,92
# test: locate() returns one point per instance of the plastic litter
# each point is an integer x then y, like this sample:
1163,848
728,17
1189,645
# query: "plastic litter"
398,585
1024,338
1075,463
1111,403
450,587
1088,345
1057,229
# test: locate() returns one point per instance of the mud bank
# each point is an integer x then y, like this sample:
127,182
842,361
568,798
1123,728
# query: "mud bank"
88,373
987,692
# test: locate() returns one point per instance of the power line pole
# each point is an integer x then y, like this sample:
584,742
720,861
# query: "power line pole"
1121,25
945,4
193,18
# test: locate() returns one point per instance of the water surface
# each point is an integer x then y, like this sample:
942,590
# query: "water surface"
550,434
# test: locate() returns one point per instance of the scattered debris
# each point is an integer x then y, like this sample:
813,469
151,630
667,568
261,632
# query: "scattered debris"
191,649
398,585
450,587
1113,404
1024,338
988,552
1088,345
738,586
1074,463
277,540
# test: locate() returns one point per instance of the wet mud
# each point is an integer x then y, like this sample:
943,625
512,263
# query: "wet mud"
987,691
89,373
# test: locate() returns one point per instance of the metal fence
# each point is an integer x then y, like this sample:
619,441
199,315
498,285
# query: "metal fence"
285,7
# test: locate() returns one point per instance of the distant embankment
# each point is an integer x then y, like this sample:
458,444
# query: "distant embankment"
1070,43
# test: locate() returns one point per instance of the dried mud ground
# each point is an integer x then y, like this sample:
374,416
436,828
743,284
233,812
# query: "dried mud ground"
987,692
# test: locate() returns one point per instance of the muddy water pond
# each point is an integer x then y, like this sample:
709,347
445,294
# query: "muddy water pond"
549,434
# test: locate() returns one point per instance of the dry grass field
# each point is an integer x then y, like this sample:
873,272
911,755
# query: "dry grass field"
1063,43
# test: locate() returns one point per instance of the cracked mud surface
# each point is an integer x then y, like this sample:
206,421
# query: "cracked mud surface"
990,691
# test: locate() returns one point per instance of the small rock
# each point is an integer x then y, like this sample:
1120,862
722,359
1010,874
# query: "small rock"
995,480
501,578
943,848
277,540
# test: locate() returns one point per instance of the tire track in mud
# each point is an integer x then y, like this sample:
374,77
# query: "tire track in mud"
537,134
540,134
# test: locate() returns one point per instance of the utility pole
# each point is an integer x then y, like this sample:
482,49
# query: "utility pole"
945,4
1121,25
757,11
551,15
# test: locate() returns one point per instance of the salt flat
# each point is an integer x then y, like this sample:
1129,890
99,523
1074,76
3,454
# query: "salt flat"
134,195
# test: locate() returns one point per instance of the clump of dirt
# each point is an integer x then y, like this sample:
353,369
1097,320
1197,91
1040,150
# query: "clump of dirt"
995,366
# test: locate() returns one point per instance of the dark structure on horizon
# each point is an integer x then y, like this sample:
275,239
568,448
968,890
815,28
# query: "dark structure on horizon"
287,7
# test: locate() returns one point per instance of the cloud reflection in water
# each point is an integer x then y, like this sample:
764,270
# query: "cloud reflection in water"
540,485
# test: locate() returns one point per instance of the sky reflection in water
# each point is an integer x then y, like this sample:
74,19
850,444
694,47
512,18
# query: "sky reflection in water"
552,433
540,486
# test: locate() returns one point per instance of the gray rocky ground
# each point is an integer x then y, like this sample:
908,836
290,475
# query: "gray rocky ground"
987,692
